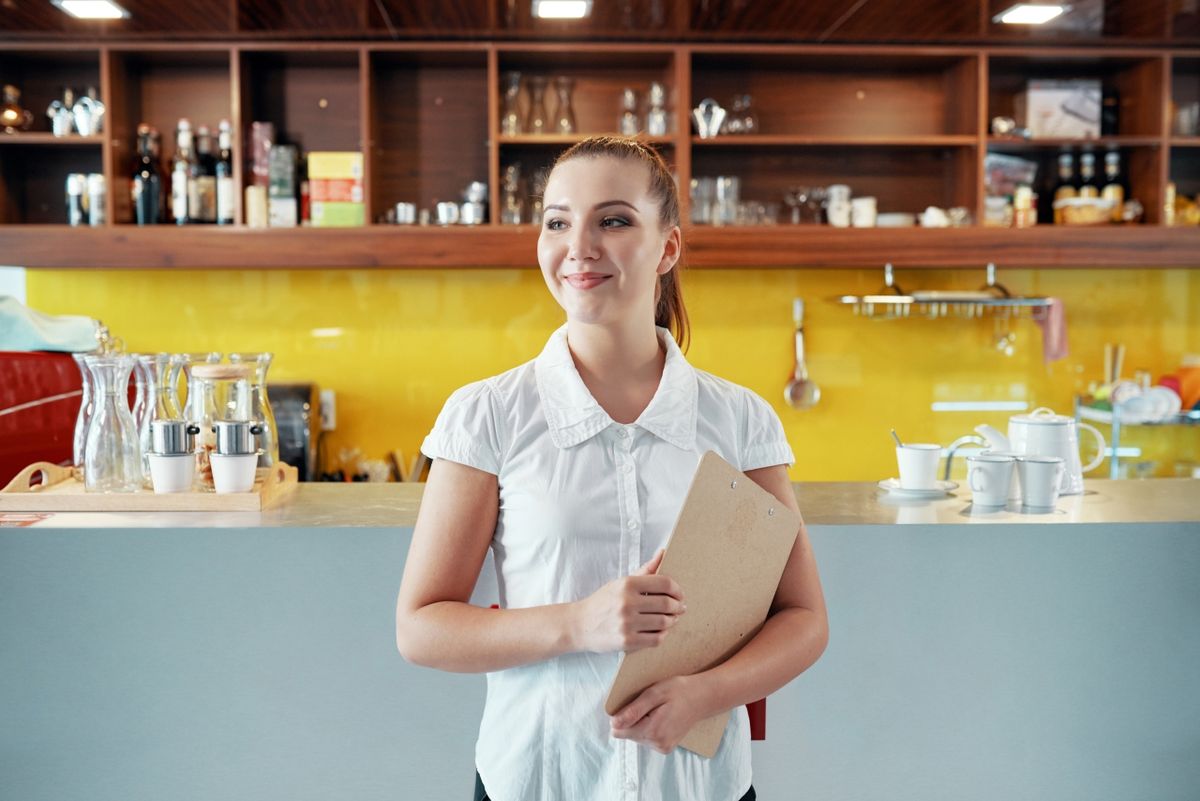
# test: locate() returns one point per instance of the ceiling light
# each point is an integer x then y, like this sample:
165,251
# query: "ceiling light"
91,9
1030,14
562,9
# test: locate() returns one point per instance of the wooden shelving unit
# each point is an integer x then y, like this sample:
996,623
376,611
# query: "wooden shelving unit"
905,123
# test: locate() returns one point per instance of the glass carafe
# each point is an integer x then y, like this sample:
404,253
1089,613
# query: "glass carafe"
260,405
112,455
183,363
215,392
656,117
510,121
536,122
564,117
628,124
85,411
145,401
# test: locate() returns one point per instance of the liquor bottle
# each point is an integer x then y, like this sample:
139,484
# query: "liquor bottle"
181,172
1087,175
146,183
1114,186
1066,183
224,170
202,189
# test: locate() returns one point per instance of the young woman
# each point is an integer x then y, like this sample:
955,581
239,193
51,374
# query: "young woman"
572,468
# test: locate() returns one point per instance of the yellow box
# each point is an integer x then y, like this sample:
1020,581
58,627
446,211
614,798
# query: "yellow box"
335,164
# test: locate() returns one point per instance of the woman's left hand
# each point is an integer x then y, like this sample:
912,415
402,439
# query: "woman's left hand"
662,715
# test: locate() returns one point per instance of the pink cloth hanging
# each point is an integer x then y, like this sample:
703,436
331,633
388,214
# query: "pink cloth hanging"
1053,322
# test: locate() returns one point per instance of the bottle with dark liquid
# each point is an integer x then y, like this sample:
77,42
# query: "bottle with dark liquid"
224,172
181,172
202,189
147,183
1114,184
1087,175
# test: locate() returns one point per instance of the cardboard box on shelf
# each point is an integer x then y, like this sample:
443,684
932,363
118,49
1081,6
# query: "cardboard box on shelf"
336,190
335,164
327,214
1061,109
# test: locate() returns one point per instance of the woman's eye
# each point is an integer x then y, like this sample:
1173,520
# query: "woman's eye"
555,225
614,222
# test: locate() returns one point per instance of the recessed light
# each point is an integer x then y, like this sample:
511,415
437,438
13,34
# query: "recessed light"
562,9
1030,14
91,9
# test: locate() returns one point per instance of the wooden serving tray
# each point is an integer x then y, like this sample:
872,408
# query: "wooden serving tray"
62,490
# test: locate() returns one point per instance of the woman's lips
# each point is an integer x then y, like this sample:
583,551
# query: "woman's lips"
586,280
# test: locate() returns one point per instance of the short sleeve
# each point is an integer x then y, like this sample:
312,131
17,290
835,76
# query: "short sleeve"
764,442
467,430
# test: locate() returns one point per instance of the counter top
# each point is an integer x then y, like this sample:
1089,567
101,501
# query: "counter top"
822,504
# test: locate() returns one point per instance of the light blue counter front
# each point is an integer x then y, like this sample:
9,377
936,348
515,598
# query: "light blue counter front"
991,662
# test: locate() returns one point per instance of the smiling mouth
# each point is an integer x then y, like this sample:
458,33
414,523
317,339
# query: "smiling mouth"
586,280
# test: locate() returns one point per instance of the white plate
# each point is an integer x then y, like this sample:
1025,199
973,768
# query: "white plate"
892,487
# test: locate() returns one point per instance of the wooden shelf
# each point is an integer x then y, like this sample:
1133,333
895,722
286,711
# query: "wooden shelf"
384,246
46,138
1185,141
570,139
1096,144
769,140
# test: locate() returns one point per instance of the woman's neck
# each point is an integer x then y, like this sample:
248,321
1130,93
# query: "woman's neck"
620,366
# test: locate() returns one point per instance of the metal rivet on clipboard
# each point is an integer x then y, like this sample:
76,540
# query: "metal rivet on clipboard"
771,512
733,484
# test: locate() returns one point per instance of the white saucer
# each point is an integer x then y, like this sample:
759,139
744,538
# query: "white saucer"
892,487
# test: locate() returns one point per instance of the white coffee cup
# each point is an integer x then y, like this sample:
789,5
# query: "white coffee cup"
862,212
989,476
1041,478
918,465
172,472
233,472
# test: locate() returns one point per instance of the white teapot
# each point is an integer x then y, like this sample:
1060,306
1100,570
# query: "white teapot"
1044,433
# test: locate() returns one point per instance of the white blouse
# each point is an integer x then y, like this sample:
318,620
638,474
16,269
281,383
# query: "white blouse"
583,501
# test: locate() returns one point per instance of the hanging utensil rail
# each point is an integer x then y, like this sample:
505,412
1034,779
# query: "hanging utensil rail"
892,301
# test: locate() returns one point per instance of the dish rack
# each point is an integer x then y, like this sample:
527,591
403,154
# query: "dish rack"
892,302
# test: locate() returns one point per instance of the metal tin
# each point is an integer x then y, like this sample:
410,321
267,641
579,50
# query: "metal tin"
471,213
236,437
172,437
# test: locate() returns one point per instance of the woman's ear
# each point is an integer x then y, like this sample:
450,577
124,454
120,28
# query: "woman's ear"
671,250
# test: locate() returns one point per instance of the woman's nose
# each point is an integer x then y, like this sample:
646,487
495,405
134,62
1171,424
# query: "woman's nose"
583,243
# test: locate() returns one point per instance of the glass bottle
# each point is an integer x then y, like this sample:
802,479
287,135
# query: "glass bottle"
181,172
202,183
147,184
510,122
536,122
224,173
1087,175
564,118
112,456
1114,185
1065,189
85,411
628,124
656,117
260,405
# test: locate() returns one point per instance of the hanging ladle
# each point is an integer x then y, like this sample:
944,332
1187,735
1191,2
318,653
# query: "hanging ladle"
801,392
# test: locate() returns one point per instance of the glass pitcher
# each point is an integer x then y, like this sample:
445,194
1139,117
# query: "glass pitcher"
564,117
183,363
112,455
510,121
260,405
216,392
536,123
85,411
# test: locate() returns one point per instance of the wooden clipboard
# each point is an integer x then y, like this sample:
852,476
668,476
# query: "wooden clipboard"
727,552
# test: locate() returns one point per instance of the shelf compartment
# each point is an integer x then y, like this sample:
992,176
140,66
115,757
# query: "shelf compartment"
1185,172
159,86
428,127
33,180
42,74
843,94
599,76
1185,92
907,179
1137,80
312,96
1140,165
891,20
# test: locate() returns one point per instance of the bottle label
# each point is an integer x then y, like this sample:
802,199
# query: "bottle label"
179,197
225,200
206,198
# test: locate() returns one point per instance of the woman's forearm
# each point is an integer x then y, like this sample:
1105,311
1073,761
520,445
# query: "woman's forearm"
459,637
789,642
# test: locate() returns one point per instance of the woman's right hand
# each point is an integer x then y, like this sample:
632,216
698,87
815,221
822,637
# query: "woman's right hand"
629,613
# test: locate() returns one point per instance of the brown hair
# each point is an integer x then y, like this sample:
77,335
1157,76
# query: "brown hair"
669,311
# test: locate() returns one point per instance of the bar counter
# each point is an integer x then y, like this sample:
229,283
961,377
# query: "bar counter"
983,656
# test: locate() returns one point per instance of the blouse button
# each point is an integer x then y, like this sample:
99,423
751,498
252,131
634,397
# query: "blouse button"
632,524
628,468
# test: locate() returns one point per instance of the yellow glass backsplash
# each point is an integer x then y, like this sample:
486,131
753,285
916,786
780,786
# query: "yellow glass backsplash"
394,343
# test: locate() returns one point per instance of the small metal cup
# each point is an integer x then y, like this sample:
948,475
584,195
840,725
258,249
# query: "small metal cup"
406,213
236,437
471,213
172,437
447,213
